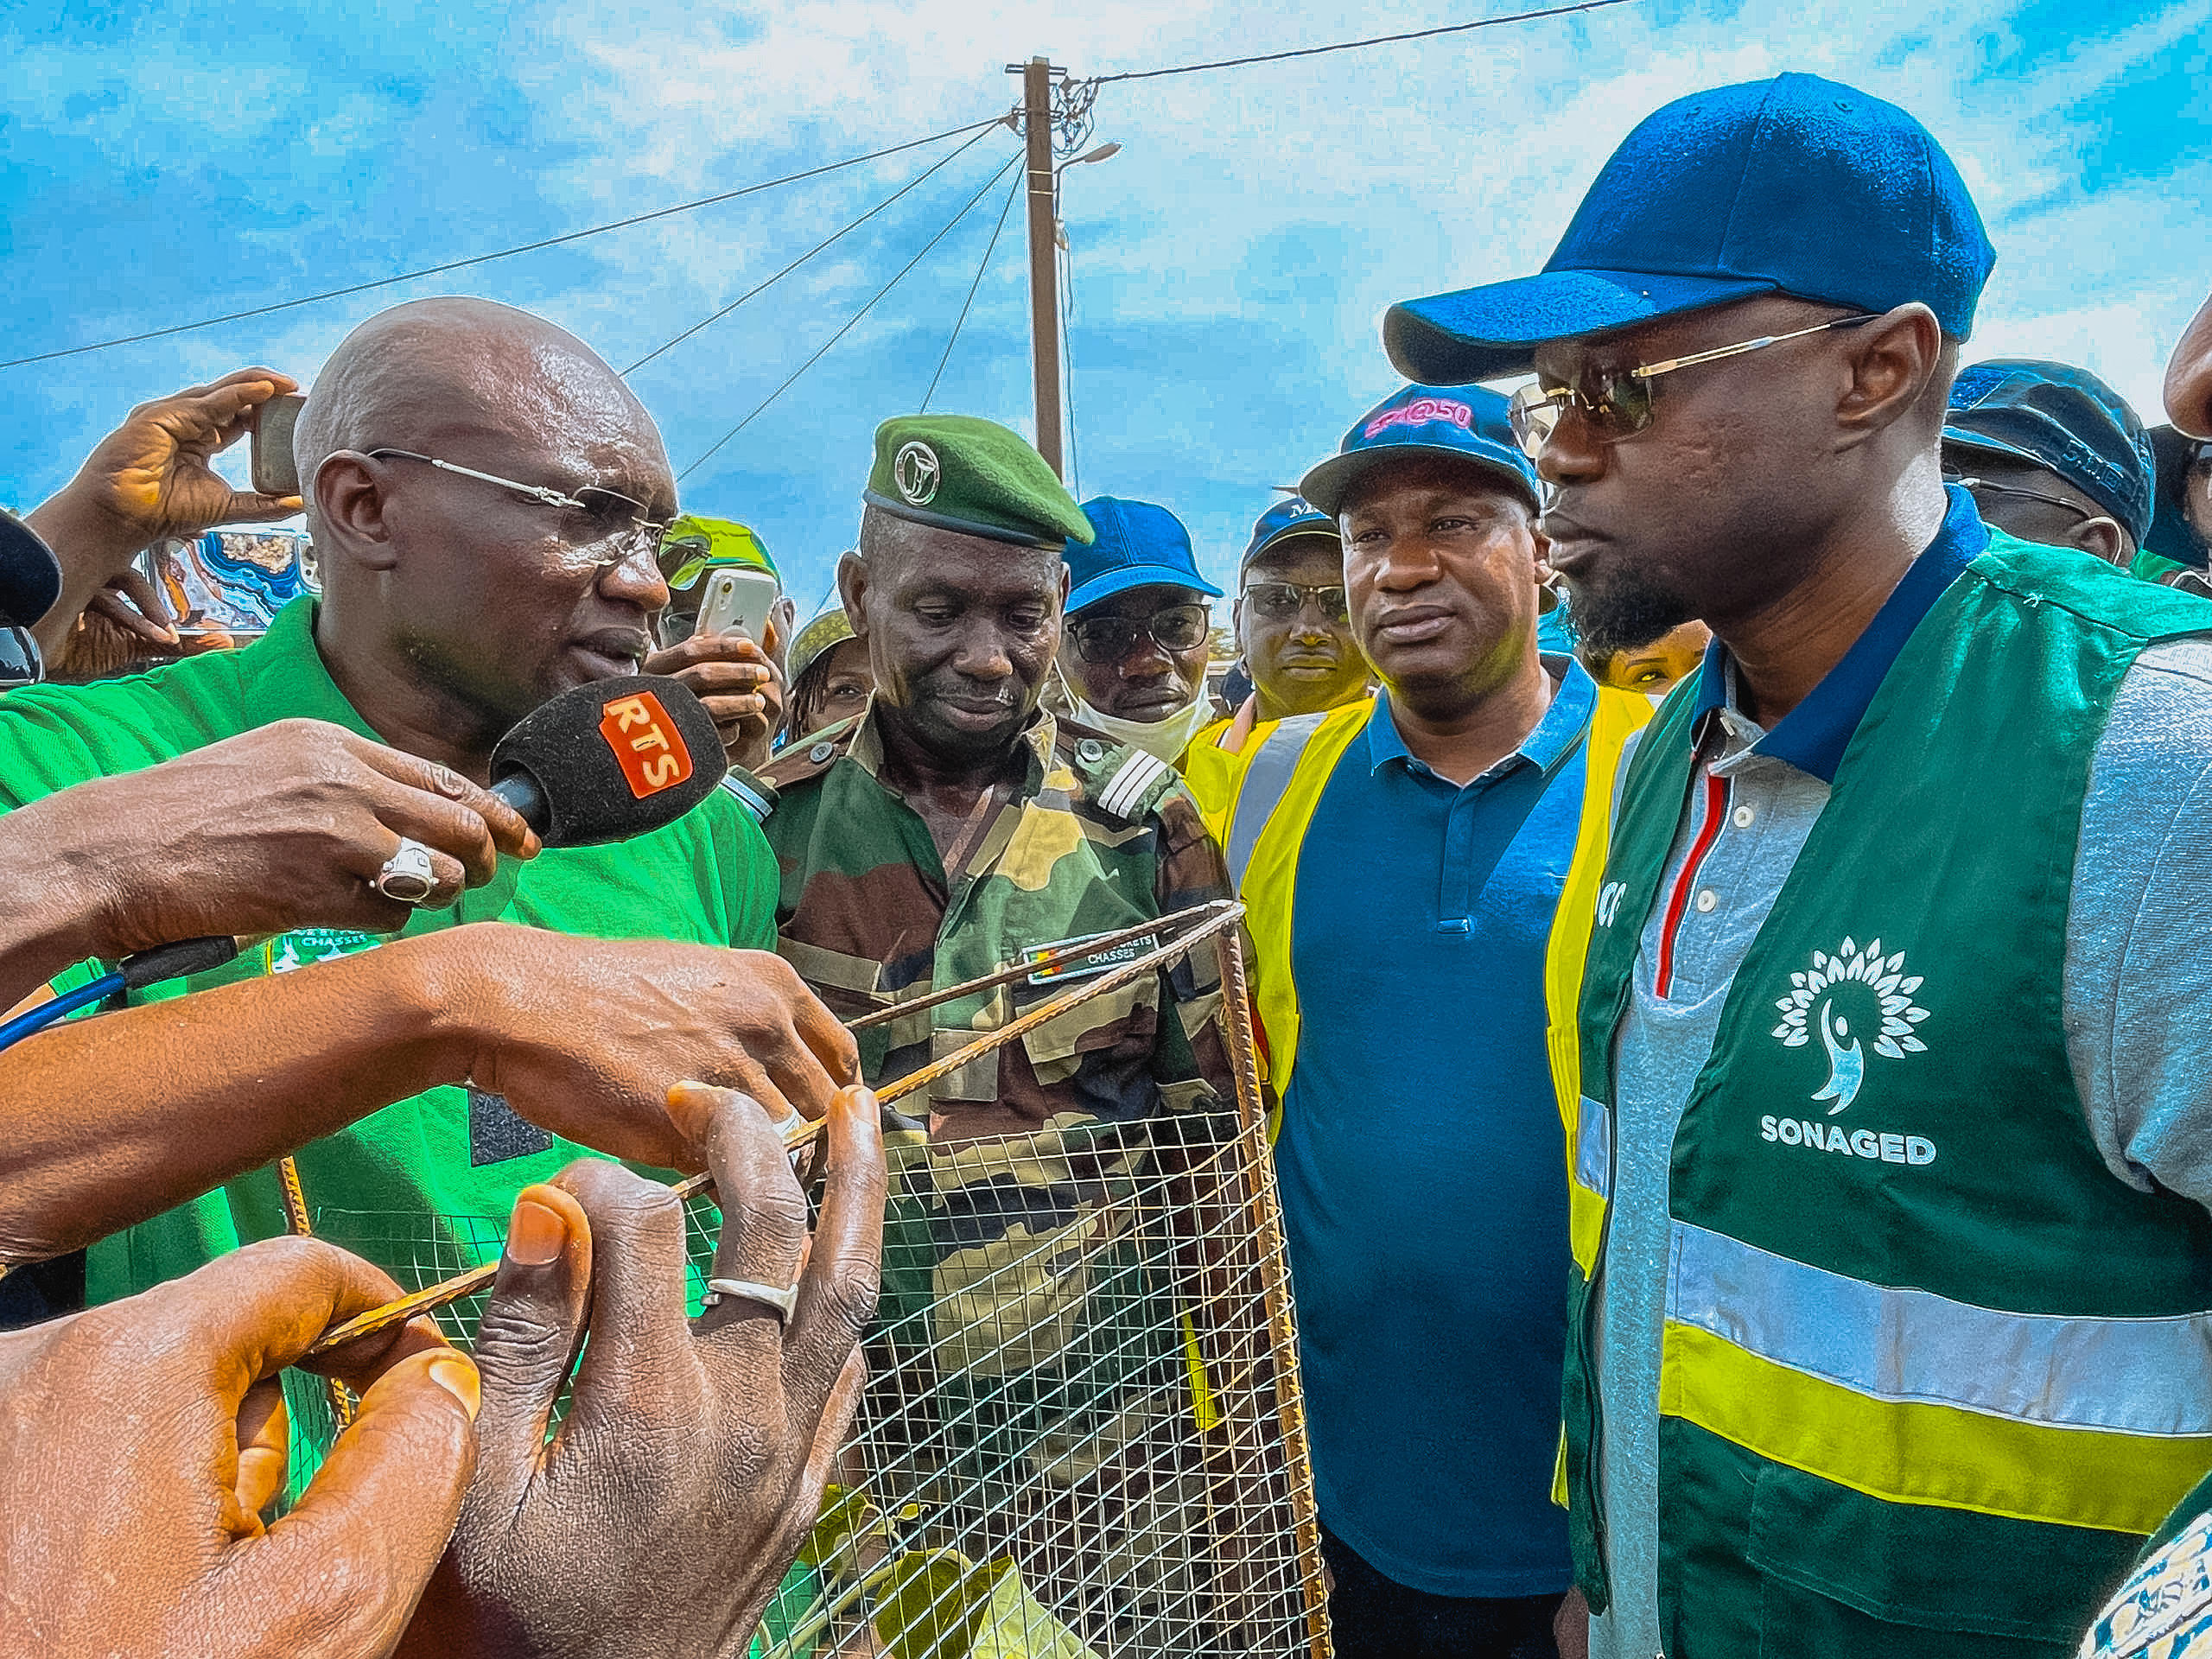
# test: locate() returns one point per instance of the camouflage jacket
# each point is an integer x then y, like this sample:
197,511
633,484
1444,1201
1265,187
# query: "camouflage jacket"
1097,838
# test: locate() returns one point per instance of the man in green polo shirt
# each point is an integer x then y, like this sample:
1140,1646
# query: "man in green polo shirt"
486,495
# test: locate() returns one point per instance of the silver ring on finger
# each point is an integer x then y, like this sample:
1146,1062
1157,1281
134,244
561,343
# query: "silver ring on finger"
407,876
744,1290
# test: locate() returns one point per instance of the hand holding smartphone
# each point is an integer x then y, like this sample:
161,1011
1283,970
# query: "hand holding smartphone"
737,600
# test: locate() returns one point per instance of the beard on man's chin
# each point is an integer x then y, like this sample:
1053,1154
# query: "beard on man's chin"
1627,613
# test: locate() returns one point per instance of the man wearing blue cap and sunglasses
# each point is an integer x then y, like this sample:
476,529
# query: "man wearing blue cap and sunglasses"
1296,644
1138,630
1889,1332
1401,859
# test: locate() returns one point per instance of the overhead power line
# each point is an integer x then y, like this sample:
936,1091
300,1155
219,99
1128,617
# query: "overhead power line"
959,322
1354,46
503,253
989,184
763,286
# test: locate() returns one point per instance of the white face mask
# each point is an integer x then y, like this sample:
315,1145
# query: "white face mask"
1163,740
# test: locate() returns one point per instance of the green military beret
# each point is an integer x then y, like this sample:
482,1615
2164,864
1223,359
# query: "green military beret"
819,635
691,545
962,473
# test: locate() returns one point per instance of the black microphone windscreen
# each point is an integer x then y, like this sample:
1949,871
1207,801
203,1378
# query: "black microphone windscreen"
610,760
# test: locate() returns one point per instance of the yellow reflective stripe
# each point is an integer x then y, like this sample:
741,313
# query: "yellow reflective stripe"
1265,780
1271,880
1619,715
1907,1453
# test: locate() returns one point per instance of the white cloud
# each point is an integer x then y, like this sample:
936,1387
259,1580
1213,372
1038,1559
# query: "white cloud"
1233,262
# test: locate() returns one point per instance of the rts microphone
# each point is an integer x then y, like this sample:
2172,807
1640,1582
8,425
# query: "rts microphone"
609,760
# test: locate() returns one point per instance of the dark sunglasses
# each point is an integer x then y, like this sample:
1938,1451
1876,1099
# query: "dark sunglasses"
1284,601
1617,403
1109,638
20,661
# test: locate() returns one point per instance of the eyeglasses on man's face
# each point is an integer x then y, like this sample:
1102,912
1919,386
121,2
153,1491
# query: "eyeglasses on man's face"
604,517
1285,601
1980,488
1109,638
1616,402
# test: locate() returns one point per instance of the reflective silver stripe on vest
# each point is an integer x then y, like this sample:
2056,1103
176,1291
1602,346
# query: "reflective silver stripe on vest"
2125,1377
1266,776
1593,1148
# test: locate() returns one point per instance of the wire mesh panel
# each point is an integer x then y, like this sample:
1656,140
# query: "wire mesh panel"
1082,1436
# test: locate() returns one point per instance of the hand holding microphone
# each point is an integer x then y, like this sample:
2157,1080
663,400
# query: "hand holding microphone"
286,826
301,823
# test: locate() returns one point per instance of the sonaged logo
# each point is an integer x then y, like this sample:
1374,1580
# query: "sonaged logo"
1853,984
914,469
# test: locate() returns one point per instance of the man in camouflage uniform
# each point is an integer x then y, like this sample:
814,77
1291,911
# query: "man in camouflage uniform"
940,836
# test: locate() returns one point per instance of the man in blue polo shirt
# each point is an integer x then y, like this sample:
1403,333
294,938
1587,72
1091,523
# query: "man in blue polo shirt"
1399,978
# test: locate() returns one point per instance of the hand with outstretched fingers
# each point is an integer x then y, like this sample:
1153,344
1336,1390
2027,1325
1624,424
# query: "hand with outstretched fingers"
152,479
661,1515
140,1440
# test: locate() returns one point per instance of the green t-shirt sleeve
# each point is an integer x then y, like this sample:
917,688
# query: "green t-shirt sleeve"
42,753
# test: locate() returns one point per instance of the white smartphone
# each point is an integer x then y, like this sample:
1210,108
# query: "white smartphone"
737,601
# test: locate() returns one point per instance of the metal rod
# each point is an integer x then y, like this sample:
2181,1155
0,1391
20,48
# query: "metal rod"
1207,921
1267,1237
1057,957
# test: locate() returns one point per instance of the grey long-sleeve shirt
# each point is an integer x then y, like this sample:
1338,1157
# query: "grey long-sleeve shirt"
2138,1010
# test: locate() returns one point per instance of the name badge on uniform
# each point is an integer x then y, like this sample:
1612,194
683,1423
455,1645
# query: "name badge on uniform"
1087,966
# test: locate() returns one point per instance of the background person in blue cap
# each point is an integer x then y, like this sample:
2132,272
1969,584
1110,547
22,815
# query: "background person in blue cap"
1401,858
2051,453
1289,615
1895,1096
1296,640
1138,629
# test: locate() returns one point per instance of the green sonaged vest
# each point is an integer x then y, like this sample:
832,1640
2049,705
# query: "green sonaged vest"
1930,1372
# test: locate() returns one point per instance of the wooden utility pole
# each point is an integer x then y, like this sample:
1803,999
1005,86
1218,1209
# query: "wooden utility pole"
1044,265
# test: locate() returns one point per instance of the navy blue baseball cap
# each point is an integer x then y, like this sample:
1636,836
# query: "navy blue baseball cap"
1794,185
1139,544
2063,419
1285,521
30,576
1464,422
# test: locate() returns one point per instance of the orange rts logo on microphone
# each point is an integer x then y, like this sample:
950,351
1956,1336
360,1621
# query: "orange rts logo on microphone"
646,743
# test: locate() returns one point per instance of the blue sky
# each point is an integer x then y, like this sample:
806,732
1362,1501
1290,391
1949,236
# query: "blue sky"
1230,264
